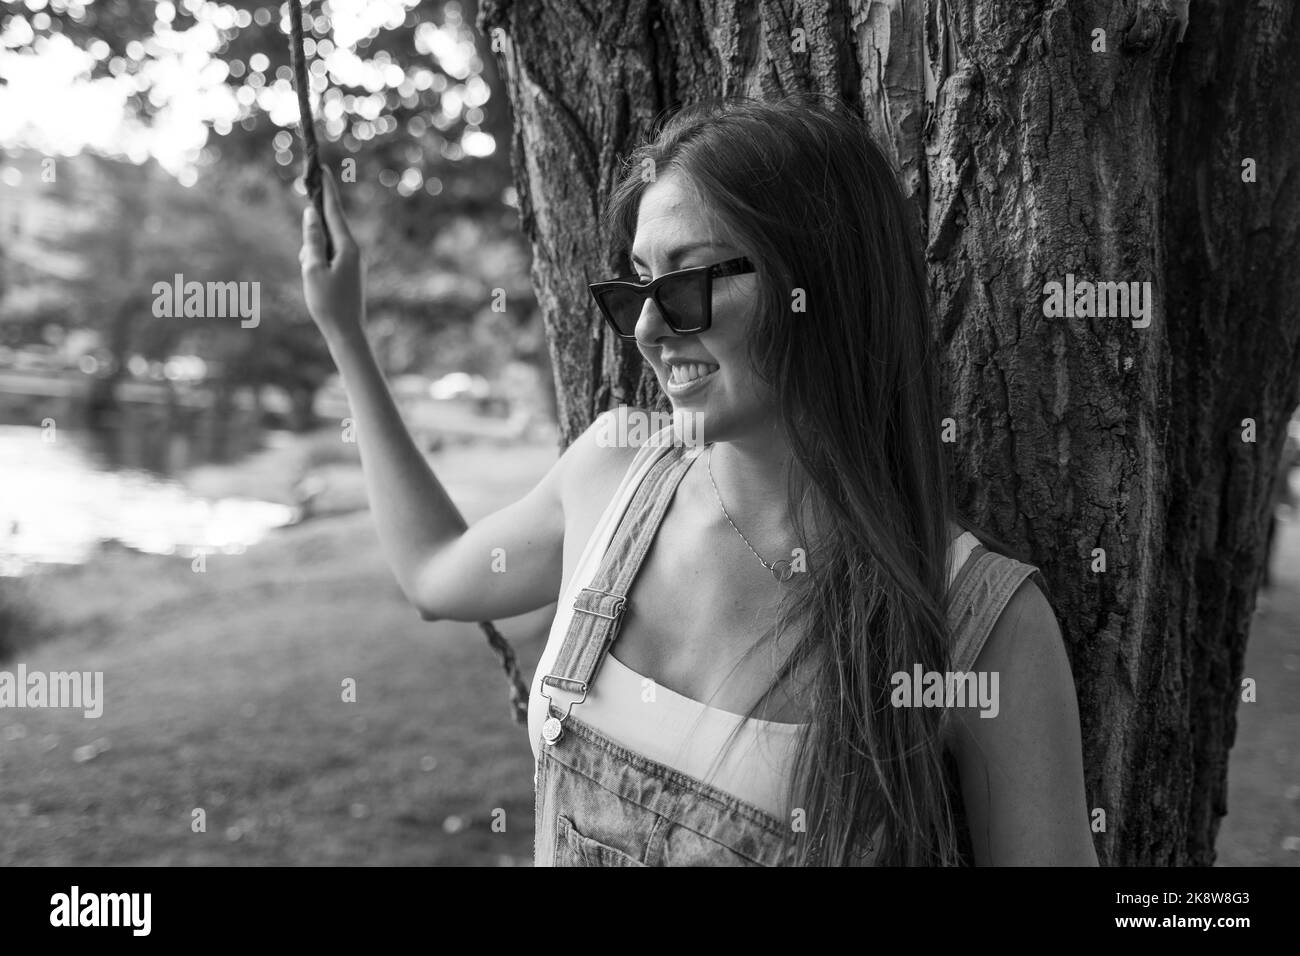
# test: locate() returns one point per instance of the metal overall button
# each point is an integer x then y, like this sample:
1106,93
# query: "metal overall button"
553,726
551,729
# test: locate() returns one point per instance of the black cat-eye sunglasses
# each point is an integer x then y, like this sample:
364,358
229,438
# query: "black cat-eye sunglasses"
684,298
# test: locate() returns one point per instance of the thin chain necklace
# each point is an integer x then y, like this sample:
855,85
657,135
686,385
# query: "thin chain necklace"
782,570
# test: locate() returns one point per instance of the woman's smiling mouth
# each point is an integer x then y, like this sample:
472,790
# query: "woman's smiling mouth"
686,377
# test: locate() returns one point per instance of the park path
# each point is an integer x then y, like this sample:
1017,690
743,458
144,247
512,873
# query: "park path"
1262,827
223,693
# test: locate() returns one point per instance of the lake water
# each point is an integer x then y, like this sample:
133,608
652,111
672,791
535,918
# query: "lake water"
61,501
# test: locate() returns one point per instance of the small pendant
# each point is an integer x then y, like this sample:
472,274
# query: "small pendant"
551,729
782,570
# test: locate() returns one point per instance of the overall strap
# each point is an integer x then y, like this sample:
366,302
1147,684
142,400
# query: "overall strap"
598,607
977,598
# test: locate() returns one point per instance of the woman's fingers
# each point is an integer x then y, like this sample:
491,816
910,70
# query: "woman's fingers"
334,217
332,285
312,253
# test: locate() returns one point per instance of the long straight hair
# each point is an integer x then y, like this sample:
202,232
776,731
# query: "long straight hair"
811,200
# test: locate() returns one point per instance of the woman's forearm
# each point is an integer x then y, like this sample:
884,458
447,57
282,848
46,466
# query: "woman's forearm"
414,515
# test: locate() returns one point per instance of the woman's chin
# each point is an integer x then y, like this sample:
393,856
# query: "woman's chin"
688,425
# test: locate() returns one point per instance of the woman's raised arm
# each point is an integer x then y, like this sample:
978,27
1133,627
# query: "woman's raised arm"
444,567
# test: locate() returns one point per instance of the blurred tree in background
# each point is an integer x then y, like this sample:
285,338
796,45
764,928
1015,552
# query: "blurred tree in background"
405,90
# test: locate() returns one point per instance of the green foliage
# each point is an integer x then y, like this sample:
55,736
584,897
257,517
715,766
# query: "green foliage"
133,226
388,128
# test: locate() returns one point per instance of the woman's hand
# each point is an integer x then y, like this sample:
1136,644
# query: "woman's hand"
333,290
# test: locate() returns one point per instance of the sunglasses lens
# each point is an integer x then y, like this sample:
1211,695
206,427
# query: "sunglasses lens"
682,300
624,307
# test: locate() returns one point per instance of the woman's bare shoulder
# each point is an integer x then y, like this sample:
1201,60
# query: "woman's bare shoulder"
1022,770
597,460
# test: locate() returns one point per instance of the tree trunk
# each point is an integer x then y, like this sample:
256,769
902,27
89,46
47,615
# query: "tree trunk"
1099,140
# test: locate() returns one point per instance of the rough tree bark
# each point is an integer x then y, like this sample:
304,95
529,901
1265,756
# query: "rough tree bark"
1033,147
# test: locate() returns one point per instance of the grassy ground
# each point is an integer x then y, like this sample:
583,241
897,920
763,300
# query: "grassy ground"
223,692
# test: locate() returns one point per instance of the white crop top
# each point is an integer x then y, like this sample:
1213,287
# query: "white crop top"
673,730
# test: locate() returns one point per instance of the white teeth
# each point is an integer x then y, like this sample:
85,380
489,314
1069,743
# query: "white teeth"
682,374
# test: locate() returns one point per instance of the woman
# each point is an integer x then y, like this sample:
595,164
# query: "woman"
730,678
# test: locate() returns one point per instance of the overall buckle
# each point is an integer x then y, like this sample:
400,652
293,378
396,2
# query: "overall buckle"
619,605
553,726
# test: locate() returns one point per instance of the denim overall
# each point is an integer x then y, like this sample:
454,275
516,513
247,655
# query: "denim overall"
601,804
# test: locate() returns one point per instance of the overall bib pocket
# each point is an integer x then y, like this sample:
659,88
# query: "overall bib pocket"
574,849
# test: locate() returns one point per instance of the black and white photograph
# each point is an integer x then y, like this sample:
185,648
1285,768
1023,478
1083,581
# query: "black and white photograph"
650,433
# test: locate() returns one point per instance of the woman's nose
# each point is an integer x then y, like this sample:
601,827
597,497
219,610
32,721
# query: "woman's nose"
650,326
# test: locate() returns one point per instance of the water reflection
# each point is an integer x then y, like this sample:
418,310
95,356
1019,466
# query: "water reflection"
61,501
